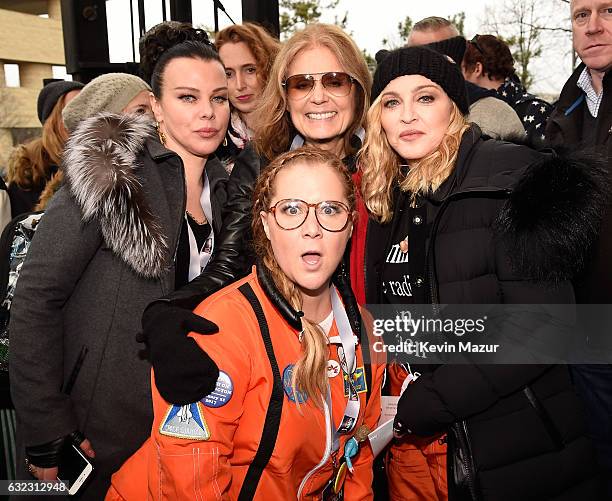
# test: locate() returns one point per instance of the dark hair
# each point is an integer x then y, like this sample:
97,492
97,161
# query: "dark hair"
263,45
494,55
190,49
160,38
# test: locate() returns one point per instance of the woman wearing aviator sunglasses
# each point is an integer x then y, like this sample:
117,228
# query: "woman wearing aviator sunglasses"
317,94
291,390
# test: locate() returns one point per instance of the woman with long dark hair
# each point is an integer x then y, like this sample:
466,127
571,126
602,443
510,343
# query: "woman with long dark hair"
137,217
317,94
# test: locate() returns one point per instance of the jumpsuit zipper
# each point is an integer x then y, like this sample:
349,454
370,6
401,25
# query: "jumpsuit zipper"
326,454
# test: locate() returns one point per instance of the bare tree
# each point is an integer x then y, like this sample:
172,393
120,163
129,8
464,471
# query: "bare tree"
531,28
403,30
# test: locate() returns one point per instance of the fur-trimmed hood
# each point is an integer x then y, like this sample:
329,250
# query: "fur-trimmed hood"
101,164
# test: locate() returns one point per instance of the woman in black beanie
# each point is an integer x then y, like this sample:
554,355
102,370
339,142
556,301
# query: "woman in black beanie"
32,165
458,218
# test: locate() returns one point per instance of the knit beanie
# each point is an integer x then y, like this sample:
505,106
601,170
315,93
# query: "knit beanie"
50,95
421,60
110,92
452,47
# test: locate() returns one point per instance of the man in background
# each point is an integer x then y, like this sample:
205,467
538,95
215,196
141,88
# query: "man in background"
583,119
432,29
494,116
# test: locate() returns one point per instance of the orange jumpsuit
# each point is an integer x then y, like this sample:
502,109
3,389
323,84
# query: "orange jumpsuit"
211,461
416,466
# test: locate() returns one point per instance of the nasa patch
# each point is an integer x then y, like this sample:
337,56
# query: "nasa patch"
185,421
291,395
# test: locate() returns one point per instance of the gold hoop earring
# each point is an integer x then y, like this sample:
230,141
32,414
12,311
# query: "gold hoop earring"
225,141
162,136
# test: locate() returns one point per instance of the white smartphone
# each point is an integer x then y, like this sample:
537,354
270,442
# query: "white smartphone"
74,468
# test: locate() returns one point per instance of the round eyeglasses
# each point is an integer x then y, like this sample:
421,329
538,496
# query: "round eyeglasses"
336,83
290,214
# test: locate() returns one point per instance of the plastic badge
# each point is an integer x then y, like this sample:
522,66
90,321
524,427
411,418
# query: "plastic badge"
222,393
358,380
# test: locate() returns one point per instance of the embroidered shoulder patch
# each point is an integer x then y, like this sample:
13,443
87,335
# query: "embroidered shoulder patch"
185,421
294,396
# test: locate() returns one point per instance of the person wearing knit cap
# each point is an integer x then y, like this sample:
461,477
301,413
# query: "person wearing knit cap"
456,217
421,61
493,115
33,165
50,95
113,93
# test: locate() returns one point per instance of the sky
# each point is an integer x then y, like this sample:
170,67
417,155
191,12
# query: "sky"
369,22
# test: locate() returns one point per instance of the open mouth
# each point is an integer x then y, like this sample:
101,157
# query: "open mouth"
321,116
311,258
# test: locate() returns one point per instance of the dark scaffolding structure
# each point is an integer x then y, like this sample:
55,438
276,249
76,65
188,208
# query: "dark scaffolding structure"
85,30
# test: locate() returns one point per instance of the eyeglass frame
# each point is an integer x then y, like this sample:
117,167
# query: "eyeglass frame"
351,80
272,209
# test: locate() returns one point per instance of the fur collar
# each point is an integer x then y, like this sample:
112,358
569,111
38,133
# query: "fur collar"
101,166
554,214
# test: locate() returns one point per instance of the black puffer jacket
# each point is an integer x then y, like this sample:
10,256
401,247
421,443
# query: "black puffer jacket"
495,241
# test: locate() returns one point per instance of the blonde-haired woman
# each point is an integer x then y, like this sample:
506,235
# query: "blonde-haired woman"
319,70
317,94
458,218
292,389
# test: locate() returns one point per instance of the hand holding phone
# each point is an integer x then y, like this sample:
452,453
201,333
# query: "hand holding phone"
74,468
63,459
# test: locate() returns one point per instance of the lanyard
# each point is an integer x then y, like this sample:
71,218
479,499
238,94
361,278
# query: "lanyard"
348,362
199,259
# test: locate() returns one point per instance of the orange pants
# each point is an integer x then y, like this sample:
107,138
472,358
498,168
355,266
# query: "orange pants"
416,469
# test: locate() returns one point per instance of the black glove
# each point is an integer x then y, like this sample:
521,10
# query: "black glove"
47,455
184,373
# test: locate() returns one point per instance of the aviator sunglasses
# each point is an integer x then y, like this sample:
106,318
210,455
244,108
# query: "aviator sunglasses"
335,82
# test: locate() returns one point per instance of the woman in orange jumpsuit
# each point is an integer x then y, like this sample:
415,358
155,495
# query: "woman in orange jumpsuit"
288,402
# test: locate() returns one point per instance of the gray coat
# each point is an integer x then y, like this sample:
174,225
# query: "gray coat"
104,249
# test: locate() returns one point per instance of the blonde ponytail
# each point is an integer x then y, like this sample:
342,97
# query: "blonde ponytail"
310,371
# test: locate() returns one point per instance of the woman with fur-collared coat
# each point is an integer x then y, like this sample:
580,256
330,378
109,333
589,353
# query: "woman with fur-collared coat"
135,220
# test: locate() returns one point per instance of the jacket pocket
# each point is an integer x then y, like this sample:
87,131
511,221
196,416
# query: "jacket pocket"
189,474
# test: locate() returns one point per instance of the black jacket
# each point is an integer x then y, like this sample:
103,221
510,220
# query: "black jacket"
233,257
565,127
487,245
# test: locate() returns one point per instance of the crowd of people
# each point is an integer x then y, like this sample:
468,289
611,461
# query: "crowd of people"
188,322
